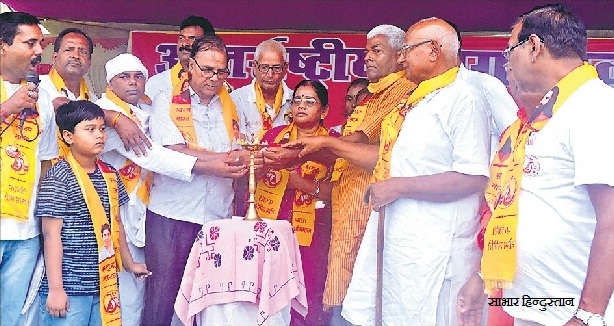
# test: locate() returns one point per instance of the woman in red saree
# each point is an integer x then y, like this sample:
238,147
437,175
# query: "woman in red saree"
301,195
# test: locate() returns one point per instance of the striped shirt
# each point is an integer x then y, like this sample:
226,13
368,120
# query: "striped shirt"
350,214
61,197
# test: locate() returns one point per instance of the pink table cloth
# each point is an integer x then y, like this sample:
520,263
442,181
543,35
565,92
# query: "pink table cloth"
249,261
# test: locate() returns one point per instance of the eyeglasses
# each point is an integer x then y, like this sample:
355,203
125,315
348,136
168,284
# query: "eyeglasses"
408,47
509,49
209,72
277,69
309,102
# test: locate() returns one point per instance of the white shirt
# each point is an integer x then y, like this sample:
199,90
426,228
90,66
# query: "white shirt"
556,219
498,100
250,119
158,83
48,86
426,242
205,198
46,149
159,159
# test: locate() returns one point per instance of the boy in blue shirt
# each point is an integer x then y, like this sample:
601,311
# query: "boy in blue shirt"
77,197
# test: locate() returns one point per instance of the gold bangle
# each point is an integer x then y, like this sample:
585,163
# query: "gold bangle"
115,119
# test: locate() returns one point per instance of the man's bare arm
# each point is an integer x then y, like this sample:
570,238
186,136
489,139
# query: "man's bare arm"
599,282
129,132
441,187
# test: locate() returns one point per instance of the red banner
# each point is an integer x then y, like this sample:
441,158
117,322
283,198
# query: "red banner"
335,58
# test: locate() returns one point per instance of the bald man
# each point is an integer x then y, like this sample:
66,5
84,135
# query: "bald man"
432,166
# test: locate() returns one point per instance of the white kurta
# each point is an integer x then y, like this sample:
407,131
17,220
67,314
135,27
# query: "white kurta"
250,120
429,248
158,159
48,86
556,219
499,103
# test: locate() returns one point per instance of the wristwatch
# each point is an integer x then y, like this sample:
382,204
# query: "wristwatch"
589,318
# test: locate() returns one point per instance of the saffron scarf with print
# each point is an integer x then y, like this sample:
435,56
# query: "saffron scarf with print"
391,126
181,114
130,173
267,121
271,189
503,190
367,105
107,268
60,86
178,74
17,162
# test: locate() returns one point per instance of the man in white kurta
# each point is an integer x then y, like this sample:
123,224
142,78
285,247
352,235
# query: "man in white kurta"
564,219
441,155
263,104
159,159
72,56
499,103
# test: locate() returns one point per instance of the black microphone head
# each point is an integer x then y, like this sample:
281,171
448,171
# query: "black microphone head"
32,77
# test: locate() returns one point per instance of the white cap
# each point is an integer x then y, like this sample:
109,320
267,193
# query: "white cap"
122,63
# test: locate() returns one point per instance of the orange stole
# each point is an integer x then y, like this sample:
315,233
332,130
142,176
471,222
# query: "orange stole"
108,268
270,191
17,156
181,114
130,173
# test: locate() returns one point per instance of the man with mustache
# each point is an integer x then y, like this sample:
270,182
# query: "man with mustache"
27,144
72,54
191,29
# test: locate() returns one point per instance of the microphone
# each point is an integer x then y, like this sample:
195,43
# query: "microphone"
31,77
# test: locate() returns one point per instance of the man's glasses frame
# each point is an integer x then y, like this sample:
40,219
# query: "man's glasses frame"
263,68
506,53
209,72
408,47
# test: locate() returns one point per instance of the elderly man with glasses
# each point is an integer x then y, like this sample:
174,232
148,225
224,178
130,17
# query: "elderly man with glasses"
432,166
197,116
263,104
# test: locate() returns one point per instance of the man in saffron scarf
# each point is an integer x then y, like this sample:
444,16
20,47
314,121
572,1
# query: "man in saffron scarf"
126,77
351,176
194,121
551,183
263,104
431,168
27,144
191,29
72,56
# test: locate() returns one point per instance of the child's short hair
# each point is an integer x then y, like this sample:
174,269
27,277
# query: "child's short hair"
70,114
